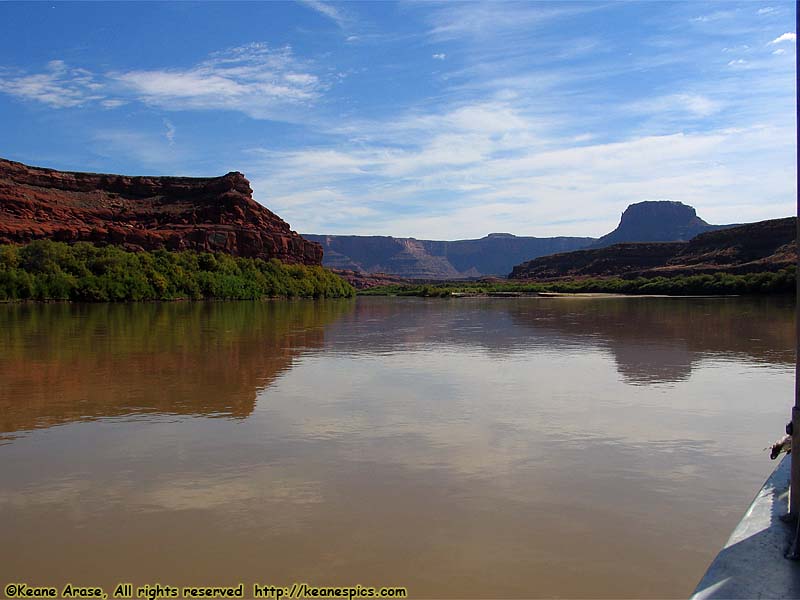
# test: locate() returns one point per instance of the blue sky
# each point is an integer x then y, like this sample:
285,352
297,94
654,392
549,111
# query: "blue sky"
438,120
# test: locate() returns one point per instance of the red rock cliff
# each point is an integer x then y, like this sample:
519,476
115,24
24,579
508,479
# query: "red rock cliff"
215,214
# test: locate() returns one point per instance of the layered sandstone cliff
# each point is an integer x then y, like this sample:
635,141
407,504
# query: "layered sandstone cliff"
215,214
751,248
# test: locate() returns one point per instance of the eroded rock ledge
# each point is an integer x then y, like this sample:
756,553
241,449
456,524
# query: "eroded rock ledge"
216,214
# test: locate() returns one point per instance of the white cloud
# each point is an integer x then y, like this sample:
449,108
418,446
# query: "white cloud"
737,63
766,10
439,56
779,51
786,37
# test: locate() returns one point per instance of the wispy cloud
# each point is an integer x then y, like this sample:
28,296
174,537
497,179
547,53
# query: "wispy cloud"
715,16
59,86
484,19
439,56
694,105
260,81
254,79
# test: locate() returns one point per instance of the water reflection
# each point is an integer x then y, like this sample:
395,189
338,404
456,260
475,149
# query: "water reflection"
62,362
652,340
657,340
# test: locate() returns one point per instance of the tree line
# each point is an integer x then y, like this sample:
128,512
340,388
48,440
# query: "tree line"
767,282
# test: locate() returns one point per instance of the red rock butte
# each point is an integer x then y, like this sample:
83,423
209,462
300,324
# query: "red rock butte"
216,214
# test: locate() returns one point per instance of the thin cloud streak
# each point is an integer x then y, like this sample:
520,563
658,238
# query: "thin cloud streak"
170,132
328,10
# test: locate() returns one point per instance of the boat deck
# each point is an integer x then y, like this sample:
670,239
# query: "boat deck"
752,563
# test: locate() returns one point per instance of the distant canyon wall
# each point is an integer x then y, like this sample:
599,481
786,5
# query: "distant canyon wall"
498,253
495,254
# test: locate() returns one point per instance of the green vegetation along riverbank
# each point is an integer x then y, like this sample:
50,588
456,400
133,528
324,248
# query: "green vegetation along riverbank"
778,282
46,270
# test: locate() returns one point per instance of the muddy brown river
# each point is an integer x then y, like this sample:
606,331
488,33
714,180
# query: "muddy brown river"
465,448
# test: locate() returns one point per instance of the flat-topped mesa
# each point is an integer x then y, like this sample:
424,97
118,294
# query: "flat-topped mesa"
656,221
215,214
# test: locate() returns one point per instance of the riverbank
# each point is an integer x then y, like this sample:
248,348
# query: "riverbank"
771,282
53,271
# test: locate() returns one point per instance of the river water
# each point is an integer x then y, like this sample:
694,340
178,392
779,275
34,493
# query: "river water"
571,447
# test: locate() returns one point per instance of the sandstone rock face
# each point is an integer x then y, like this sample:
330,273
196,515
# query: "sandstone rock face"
145,213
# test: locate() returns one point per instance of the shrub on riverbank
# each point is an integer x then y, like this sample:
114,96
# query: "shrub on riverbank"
46,270
778,282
